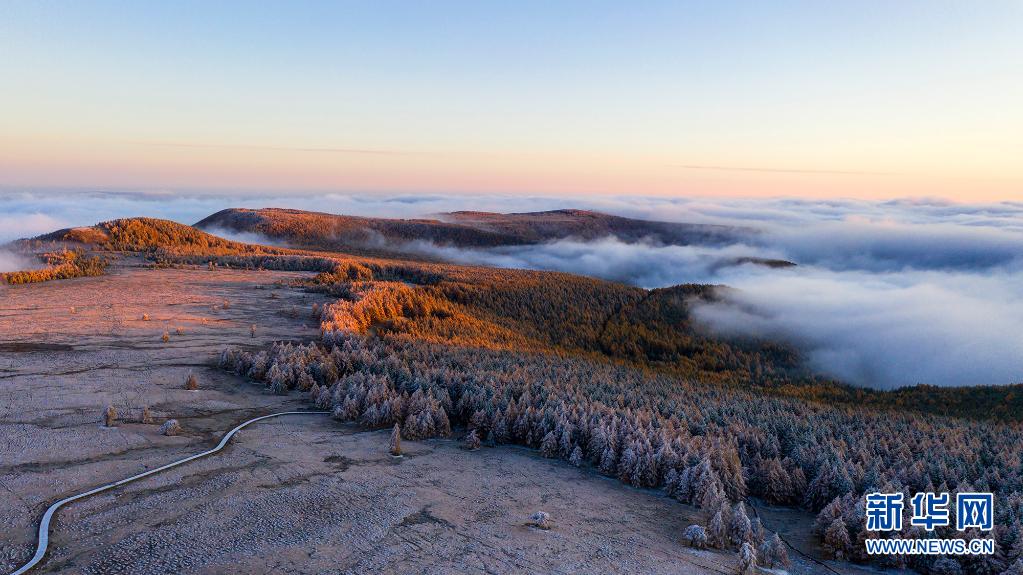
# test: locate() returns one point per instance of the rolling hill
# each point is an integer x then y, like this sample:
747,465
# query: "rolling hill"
461,229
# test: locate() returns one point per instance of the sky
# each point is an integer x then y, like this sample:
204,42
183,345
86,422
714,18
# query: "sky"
865,99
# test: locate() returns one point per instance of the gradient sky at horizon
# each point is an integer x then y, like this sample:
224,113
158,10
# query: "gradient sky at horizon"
813,99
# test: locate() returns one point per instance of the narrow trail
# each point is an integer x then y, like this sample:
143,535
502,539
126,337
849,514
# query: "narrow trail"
44,524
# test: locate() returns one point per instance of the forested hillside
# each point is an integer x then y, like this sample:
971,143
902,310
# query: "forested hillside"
392,353
462,229
531,227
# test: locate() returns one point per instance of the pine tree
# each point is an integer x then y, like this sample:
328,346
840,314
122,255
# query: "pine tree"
395,447
712,497
946,566
773,553
747,560
718,530
472,441
549,445
608,465
739,529
1015,569
836,540
565,444
756,532
576,458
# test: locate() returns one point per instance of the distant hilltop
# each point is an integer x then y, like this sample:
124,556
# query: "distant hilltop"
461,229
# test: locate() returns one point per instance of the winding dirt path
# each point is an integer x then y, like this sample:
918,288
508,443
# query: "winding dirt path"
44,524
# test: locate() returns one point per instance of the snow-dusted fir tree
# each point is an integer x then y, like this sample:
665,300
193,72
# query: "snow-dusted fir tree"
717,530
576,458
472,441
747,560
836,540
549,445
946,566
773,554
395,446
739,528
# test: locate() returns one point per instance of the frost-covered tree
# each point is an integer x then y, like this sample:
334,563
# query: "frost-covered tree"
147,415
712,497
717,530
191,382
836,540
740,530
1015,569
608,462
472,440
576,458
549,445
395,444
946,566
773,553
747,560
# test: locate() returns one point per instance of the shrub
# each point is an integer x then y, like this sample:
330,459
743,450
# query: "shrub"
165,337
695,536
110,416
541,520
147,416
170,427
145,317
191,383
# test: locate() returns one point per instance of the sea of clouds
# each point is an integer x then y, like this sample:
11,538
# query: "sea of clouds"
885,294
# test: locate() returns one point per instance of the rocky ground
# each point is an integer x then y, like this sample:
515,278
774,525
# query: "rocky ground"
299,494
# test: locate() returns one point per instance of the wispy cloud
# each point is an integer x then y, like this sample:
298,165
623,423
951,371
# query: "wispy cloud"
782,170
313,149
